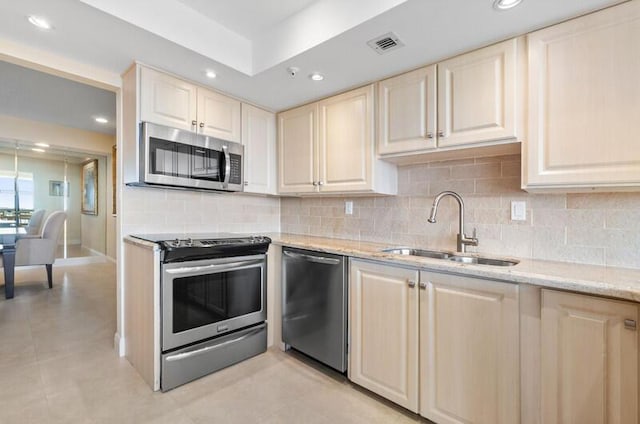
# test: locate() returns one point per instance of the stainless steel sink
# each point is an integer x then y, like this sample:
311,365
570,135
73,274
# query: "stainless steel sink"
461,258
436,254
480,260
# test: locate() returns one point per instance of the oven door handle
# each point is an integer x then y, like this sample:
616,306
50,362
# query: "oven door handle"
215,267
311,258
189,354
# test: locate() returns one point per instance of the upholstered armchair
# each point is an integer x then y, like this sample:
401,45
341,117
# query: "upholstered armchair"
34,226
41,250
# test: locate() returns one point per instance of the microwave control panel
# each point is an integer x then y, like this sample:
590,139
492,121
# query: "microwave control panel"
236,169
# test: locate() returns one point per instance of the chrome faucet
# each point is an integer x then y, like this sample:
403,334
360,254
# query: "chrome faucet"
463,240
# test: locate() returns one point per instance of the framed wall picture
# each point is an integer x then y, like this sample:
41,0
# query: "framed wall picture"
57,188
90,187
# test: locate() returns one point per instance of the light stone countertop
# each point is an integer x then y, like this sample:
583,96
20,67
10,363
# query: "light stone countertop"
620,283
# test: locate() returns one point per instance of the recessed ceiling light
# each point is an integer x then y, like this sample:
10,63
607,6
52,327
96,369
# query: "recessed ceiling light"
101,120
316,76
211,74
505,4
35,149
39,21
42,145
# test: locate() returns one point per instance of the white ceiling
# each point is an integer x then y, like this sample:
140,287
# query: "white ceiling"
250,43
37,96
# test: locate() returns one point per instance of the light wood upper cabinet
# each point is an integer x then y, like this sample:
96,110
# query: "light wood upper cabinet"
259,140
584,103
589,360
383,313
166,100
474,100
218,115
478,95
328,147
169,101
297,171
469,350
407,112
345,141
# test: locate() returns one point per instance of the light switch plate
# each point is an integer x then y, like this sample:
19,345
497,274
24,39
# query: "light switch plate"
348,207
518,210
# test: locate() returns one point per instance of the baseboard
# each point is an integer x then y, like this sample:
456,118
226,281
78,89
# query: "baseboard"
118,344
85,260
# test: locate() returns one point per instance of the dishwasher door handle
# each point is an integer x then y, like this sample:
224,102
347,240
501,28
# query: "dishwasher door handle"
311,258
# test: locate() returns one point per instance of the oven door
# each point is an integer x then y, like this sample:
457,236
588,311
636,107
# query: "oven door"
206,298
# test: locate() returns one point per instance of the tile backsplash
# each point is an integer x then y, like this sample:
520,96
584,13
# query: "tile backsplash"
598,228
154,210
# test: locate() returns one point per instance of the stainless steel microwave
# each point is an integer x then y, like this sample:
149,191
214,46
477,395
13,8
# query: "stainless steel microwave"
178,158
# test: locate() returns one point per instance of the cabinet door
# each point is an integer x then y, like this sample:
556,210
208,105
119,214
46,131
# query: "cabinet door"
296,150
345,141
477,96
166,100
259,140
469,355
584,102
589,360
218,115
407,112
383,313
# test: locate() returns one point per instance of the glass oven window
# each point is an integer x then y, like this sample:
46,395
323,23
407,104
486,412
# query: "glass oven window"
206,299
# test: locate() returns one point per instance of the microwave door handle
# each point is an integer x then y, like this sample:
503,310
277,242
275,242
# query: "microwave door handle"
215,268
227,166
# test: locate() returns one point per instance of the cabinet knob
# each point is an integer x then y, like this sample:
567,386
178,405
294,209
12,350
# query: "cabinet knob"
320,183
315,183
429,135
411,283
423,285
194,122
440,133
201,125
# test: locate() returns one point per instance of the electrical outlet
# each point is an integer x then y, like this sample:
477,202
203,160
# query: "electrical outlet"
348,207
518,210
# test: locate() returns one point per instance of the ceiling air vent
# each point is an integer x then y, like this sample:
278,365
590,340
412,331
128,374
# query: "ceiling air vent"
385,43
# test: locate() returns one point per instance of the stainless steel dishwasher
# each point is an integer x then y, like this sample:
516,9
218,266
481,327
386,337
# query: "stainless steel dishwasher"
314,305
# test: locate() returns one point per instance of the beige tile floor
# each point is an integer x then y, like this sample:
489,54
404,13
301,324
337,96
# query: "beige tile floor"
57,365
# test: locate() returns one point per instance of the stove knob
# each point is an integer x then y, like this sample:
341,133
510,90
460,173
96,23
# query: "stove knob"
189,242
176,242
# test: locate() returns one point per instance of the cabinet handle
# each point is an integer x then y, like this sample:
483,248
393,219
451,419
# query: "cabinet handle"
194,122
429,135
441,134
630,324
315,183
411,283
320,183
201,125
423,285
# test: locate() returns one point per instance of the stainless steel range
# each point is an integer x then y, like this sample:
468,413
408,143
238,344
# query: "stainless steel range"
213,303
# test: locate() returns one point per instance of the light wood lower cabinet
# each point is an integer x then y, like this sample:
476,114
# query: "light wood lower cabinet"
589,360
383,312
469,350
442,345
